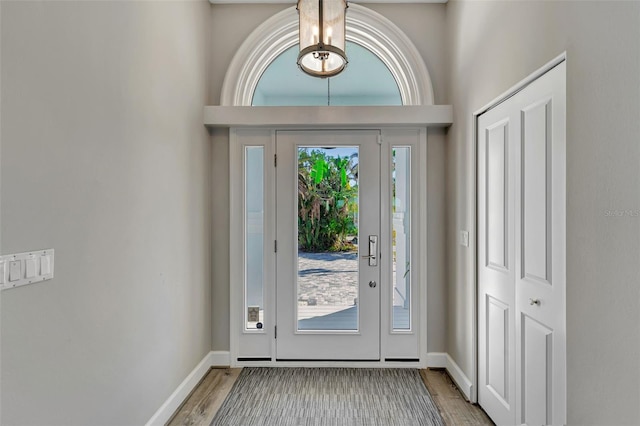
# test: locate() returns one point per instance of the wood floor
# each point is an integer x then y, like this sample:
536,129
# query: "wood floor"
454,408
205,400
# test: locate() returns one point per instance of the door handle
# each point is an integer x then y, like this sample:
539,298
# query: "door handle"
373,249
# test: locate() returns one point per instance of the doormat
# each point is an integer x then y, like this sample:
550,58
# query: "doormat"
328,396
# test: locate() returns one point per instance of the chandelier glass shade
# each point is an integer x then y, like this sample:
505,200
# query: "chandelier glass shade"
322,37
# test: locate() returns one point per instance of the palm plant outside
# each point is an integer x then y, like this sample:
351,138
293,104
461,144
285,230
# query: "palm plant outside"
327,200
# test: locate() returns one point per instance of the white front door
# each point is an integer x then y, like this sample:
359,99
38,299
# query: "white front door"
328,245
521,255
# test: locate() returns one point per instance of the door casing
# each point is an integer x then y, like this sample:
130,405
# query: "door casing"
257,348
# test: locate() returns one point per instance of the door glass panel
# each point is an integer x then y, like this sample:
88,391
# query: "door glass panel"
401,237
327,290
254,237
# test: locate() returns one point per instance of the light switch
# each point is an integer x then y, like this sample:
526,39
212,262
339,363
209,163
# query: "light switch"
15,270
464,238
45,264
30,267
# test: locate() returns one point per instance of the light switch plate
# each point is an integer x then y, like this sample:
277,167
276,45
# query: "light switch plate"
30,267
15,270
45,264
464,238
26,268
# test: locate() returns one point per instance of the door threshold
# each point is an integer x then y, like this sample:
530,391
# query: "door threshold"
327,360
386,363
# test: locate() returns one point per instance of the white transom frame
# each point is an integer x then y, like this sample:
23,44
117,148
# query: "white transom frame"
365,27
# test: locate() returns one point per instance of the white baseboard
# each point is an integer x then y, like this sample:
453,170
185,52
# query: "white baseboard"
437,360
444,360
220,359
164,413
464,384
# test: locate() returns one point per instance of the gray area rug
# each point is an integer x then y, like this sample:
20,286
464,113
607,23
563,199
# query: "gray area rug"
328,396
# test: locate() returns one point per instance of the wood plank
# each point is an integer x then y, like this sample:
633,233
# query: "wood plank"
205,400
453,406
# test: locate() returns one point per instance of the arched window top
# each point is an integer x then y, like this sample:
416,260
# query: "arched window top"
365,81
365,28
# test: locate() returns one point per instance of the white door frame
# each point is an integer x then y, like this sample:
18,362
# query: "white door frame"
257,341
474,232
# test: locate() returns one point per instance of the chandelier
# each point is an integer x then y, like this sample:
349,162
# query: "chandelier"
322,37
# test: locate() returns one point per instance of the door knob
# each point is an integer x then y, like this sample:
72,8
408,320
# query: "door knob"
534,302
372,284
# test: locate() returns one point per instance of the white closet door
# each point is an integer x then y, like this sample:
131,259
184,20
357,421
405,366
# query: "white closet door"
540,248
521,255
496,264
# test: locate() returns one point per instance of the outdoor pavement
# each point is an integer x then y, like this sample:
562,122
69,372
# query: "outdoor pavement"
327,278
328,287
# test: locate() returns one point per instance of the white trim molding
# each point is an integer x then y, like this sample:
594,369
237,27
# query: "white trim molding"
365,27
461,380
294,1
437,360
166,410
522,84
444,360
220,358
293,117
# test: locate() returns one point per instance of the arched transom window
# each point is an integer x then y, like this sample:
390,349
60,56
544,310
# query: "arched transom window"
377,49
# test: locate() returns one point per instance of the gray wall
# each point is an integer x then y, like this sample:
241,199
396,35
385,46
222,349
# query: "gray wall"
105,159
228,34
425,26
493,45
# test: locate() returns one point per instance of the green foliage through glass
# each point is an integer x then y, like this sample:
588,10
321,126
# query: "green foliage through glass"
327,200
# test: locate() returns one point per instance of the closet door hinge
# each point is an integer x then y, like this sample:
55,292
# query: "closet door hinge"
275,332
275,246
275,160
